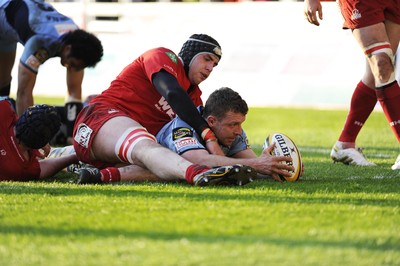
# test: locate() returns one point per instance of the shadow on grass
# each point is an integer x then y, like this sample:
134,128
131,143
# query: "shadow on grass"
259,191
391,244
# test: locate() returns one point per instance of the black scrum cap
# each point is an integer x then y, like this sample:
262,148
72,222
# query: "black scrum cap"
197,44
37,126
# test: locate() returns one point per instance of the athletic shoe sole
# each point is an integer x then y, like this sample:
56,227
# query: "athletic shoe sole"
235,175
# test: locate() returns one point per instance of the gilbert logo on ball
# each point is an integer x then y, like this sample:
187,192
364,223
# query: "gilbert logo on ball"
284,146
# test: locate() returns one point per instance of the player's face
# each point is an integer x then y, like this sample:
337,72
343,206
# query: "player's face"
201,67
70,62
228,128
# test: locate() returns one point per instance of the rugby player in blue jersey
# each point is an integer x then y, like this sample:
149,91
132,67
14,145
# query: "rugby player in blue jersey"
44,33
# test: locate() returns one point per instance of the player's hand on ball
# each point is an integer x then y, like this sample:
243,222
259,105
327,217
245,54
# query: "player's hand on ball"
284,146
276,165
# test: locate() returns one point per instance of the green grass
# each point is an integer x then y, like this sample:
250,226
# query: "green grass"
335,215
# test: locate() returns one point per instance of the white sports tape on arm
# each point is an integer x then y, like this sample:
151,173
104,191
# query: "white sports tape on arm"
128,140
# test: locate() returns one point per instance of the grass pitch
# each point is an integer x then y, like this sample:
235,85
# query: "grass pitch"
335,215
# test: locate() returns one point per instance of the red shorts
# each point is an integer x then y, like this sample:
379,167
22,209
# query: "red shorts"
362,13
88,123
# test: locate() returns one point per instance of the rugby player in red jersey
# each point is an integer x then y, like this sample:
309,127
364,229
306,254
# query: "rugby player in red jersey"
21,139
118,126
376,27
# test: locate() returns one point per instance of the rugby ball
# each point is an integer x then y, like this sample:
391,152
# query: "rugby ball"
284,146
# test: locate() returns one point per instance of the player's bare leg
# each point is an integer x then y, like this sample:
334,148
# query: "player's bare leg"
378,42
122,140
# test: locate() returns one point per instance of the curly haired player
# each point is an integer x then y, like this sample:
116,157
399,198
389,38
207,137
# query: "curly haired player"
45,34
119,125
376,28
21,139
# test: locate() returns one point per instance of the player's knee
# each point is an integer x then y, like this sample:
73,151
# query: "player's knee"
382,58
385,68
129,140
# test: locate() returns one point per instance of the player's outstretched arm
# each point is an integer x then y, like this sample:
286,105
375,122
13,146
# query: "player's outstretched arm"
265,164
51,166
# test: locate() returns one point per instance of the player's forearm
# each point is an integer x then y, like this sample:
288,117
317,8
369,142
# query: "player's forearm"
26,82
49,167
264,164
74,84
217,160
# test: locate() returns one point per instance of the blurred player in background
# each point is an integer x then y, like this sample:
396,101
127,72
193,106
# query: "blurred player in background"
376,27
21,139
45,34
119,125
225,111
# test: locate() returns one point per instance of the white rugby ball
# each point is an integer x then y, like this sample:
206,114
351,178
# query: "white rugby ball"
284,146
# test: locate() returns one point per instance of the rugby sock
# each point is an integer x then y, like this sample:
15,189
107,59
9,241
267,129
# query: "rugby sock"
110,175
362,104
389,98
194,170
72,110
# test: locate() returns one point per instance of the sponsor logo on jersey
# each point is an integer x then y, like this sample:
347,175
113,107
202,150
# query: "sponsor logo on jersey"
172,56
111,111
171,70
83,134
42,55
181,132
64,28
33,63
164,107
355,14
184,142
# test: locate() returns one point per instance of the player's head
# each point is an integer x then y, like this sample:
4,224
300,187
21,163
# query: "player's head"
83,46
225,111
37,126
224,100
198,44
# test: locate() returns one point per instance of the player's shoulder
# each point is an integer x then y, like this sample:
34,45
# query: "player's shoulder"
6,105
4,3
158,50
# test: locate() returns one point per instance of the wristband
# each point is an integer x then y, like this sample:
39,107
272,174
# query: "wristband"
208,135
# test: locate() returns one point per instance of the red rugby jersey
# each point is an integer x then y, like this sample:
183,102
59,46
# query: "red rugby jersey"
134,92
13,165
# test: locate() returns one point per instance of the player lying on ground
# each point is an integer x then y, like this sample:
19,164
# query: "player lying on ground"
21,139
225,111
